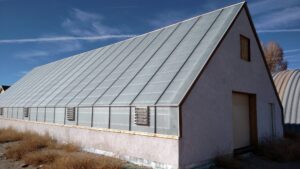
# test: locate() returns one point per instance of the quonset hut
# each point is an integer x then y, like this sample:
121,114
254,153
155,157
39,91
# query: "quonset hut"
172,98
288,86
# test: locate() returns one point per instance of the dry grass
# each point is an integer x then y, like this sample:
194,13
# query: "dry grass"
42,157
227,162
30,142
68,147
10,135
85,161
35,149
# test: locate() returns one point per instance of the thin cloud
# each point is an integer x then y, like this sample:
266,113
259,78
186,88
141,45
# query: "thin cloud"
83,23
278,30
267,6
167,18
64,38
32,54
292,56
288,16
292,50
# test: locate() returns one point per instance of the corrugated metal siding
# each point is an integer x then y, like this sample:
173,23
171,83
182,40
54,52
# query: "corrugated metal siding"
288,86
156,68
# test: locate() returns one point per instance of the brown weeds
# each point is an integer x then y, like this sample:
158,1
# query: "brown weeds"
30,142
35,149
10,135
85,161
42,157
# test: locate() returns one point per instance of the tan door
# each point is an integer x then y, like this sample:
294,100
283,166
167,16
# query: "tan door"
241,120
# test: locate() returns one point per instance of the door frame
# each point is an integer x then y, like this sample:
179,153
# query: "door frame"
253,122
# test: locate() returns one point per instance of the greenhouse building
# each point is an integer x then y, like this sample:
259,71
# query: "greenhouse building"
175,97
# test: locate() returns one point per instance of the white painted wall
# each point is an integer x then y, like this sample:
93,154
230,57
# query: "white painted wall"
207,128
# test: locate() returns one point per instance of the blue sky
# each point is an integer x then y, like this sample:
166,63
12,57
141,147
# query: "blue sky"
35,32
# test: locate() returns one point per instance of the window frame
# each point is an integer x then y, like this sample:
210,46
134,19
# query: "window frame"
243,37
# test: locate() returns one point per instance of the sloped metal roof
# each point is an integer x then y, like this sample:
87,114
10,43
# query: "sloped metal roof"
156,68
288,87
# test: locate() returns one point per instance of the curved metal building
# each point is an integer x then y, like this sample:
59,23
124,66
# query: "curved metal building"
288,86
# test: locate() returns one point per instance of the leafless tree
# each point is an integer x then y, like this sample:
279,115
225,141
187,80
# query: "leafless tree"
274,57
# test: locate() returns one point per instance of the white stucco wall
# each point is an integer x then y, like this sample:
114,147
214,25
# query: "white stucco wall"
207,128
151,151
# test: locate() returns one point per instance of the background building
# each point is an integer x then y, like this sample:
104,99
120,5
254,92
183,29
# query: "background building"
288,86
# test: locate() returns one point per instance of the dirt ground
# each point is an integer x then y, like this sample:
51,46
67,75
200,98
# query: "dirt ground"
254,162
249,161
10,164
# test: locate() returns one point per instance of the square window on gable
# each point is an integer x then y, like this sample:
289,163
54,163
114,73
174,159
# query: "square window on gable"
245,47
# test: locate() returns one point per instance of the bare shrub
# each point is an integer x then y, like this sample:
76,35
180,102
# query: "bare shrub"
275,57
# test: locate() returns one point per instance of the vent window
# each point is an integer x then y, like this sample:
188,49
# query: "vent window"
142,116
71,113
1,111
26,112
245,48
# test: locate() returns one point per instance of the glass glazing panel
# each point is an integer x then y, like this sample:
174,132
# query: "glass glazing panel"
46,91
46,83
85,117
197,60
125,64
80,82
33,114
41,114
92,81
108,72
20,113
158,84
167,120
5,112
148,129
69,78
76,77
9,113
15,113
101,116
60,115
75,64
49,115
119,118
137,84
25,93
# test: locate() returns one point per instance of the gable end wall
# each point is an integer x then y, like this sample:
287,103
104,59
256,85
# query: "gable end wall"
206,119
